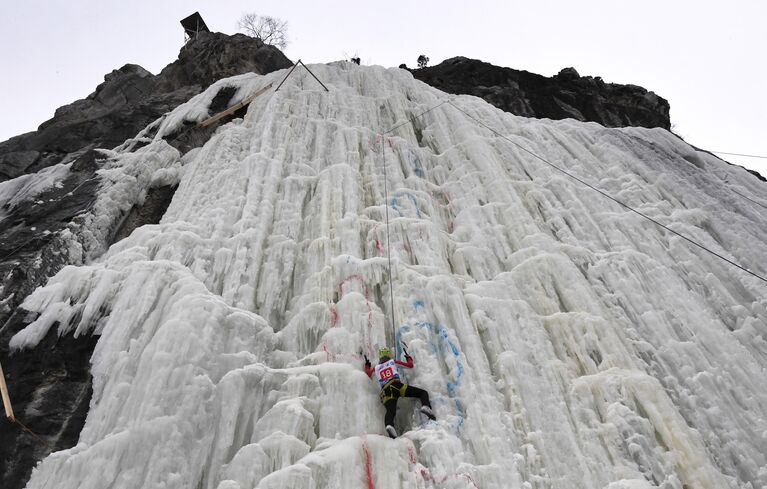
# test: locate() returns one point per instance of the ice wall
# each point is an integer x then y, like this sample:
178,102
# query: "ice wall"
566,341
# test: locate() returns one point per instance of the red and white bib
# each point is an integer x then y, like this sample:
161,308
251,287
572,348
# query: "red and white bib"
386,372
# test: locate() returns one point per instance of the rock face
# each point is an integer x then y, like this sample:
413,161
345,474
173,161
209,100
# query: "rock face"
212,56
565,95
50,386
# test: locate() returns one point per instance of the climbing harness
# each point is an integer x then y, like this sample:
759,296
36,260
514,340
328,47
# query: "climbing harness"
391,390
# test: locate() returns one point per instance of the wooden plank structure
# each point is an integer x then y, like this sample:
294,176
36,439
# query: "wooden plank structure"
234,108
6,397
193,25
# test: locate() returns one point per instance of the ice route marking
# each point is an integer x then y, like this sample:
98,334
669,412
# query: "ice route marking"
368,463
415,163
441,344
395,198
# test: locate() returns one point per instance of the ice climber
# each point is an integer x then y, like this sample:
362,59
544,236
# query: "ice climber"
392,387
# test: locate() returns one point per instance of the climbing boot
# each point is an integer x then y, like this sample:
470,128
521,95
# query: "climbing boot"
428,412
391,431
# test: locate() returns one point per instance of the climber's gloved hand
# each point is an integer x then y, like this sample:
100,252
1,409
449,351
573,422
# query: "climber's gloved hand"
367,362
408,357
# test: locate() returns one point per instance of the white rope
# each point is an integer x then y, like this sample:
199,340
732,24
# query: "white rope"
388,240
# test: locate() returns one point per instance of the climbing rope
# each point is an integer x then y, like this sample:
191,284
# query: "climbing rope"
388,240
386,206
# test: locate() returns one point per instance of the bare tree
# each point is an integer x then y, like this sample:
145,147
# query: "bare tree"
269,30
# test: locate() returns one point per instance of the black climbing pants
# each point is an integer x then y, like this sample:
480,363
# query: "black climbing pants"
393,391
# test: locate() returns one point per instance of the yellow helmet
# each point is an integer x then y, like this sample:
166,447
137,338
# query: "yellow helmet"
384,352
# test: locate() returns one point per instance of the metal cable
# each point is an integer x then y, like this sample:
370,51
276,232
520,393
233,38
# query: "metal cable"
416,117
748,198
574,177
737,154
608,195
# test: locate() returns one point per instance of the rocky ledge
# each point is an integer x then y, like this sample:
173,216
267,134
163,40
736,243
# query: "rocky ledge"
565,95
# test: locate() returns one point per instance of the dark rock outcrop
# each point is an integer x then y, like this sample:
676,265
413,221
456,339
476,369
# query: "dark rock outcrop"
565,95
127,101
150,212
51,388
212,56
131,97
32,247
50,385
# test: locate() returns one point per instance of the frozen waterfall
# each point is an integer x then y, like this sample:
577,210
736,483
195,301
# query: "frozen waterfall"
566,342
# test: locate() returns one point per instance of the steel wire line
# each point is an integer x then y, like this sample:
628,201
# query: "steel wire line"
736,154
574,177
578,179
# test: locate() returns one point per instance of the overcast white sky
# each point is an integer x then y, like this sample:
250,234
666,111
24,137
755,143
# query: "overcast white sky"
706,57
